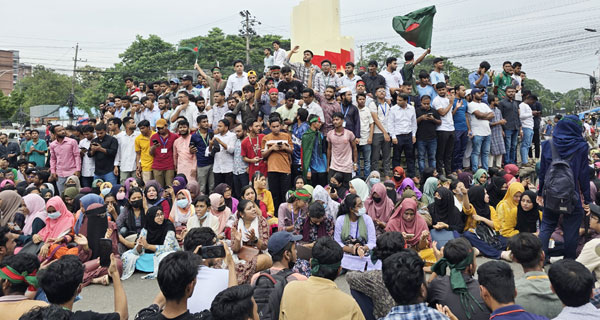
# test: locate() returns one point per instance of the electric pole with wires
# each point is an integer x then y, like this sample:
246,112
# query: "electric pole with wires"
247,30
71,100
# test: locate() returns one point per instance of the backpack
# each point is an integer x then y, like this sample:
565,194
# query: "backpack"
559,185
268,290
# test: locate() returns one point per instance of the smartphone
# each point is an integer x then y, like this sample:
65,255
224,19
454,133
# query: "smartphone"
210,252
105,249
16,228
410,235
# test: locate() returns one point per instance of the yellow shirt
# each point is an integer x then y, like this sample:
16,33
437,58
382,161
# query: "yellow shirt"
142,145
267,198
509,222
317,298
471,223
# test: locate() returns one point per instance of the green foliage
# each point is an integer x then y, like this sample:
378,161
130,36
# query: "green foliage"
7,106
45,86
379,51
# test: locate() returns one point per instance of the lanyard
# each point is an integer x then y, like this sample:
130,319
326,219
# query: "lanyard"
383,110
348,109
203,140
293,220
507,312
255,147
164,142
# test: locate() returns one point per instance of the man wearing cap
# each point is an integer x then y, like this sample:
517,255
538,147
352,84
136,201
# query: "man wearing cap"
302,70
188,86
253,81
215,82
372,79
326,78
436,75
161,148
350,79
282,248
237,80
481,114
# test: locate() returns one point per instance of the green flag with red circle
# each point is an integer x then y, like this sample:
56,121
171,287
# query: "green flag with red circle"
416,27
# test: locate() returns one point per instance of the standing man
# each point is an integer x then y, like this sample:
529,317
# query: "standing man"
143,158
204,161
372,79
350,79
188,87
303,70
277,147
298,129
251,151
185,109
392,77
308,96
161,148
342,155
326,78
268,60
26,136
240,167
184,152
527,126
278,54
222,146
151,112
402,125
88,166
497,147
437,75
427,121
462,128
381,147
125,160
445,131
512,127
366,135
503,81
351,119
408,68
219,109
314,157
536,109
36,149
289,110
104,150
237,80
480,78
248,108
9,150
64,157
289,83
329,106
215,82
270,106
481,115
424,87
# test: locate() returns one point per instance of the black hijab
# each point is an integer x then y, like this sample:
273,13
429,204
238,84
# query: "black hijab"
157,232
444,210
220,189
390,189
427,173
494,189
477,199
527,220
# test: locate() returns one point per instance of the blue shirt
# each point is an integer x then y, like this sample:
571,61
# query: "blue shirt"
428,90
516,312
318,160
460,117
436,77
297,132
485,82
414,312
201,144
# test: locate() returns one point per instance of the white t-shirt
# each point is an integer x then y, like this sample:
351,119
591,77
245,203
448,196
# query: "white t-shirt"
447,120
526,115
365,124
209,282
392,80
479,127
382,111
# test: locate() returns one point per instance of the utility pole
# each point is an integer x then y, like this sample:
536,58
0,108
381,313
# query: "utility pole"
71,101
247,30
361,54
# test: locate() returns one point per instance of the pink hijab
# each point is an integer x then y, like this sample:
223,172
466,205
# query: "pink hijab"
223,216
180,216
37,209
55,227
382,210
416,226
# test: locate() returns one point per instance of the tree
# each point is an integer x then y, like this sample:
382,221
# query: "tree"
45,86
7,106
380,51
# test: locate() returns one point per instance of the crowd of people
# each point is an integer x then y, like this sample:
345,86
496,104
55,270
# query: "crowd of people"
246,197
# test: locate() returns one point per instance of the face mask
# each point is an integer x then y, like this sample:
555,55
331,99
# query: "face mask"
325,206
182,203
221,208
105,191
137,204
54,215
70,185
361,211
397,178
204,216
120,195
374,180
377,200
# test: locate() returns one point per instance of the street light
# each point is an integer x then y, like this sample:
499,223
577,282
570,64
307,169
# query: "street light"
590,30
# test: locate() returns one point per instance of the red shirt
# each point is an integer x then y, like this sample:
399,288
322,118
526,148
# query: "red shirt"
251,149
163,160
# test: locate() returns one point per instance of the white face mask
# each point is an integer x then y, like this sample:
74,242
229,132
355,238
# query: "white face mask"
361,211
54,215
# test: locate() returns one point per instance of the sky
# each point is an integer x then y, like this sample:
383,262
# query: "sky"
544,35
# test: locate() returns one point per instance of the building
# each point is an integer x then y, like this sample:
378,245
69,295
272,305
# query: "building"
11,70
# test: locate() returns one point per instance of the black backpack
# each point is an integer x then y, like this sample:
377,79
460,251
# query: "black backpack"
559,192
268,290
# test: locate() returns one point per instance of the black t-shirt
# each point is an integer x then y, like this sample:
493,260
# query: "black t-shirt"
426,128
91,315
153,312
295,85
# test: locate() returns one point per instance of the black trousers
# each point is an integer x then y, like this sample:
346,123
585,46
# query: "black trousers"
347,177
318,179
224,178
444,153
296,171
279,183
239,181
404,145
535,143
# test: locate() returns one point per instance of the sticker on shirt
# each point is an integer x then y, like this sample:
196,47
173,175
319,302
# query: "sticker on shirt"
163,150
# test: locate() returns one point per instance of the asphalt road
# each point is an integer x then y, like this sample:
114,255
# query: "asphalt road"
141,293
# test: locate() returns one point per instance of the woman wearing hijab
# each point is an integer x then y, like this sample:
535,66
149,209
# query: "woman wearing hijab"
511,169
10,202
390,189
46,193
153,193
569,144
69,195
130,183
483,226
295,207
410,184
179,183
259,182
379,207
399,176
194,189
131,219
426,174
336,187
322,196
373,178
58,223
524,218
182,210
480,178
429,188
156,241
414,229
225,190
35,214
73,181
509,178
496,189
118,191
466,178
358,187
510,201
221,211
447,221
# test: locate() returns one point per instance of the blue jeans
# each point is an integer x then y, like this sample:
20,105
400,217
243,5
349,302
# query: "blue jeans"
107,177
511,137
461,137
365,151
426,147
525,144
481,146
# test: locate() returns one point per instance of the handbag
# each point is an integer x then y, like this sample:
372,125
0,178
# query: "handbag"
248,253
488,235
